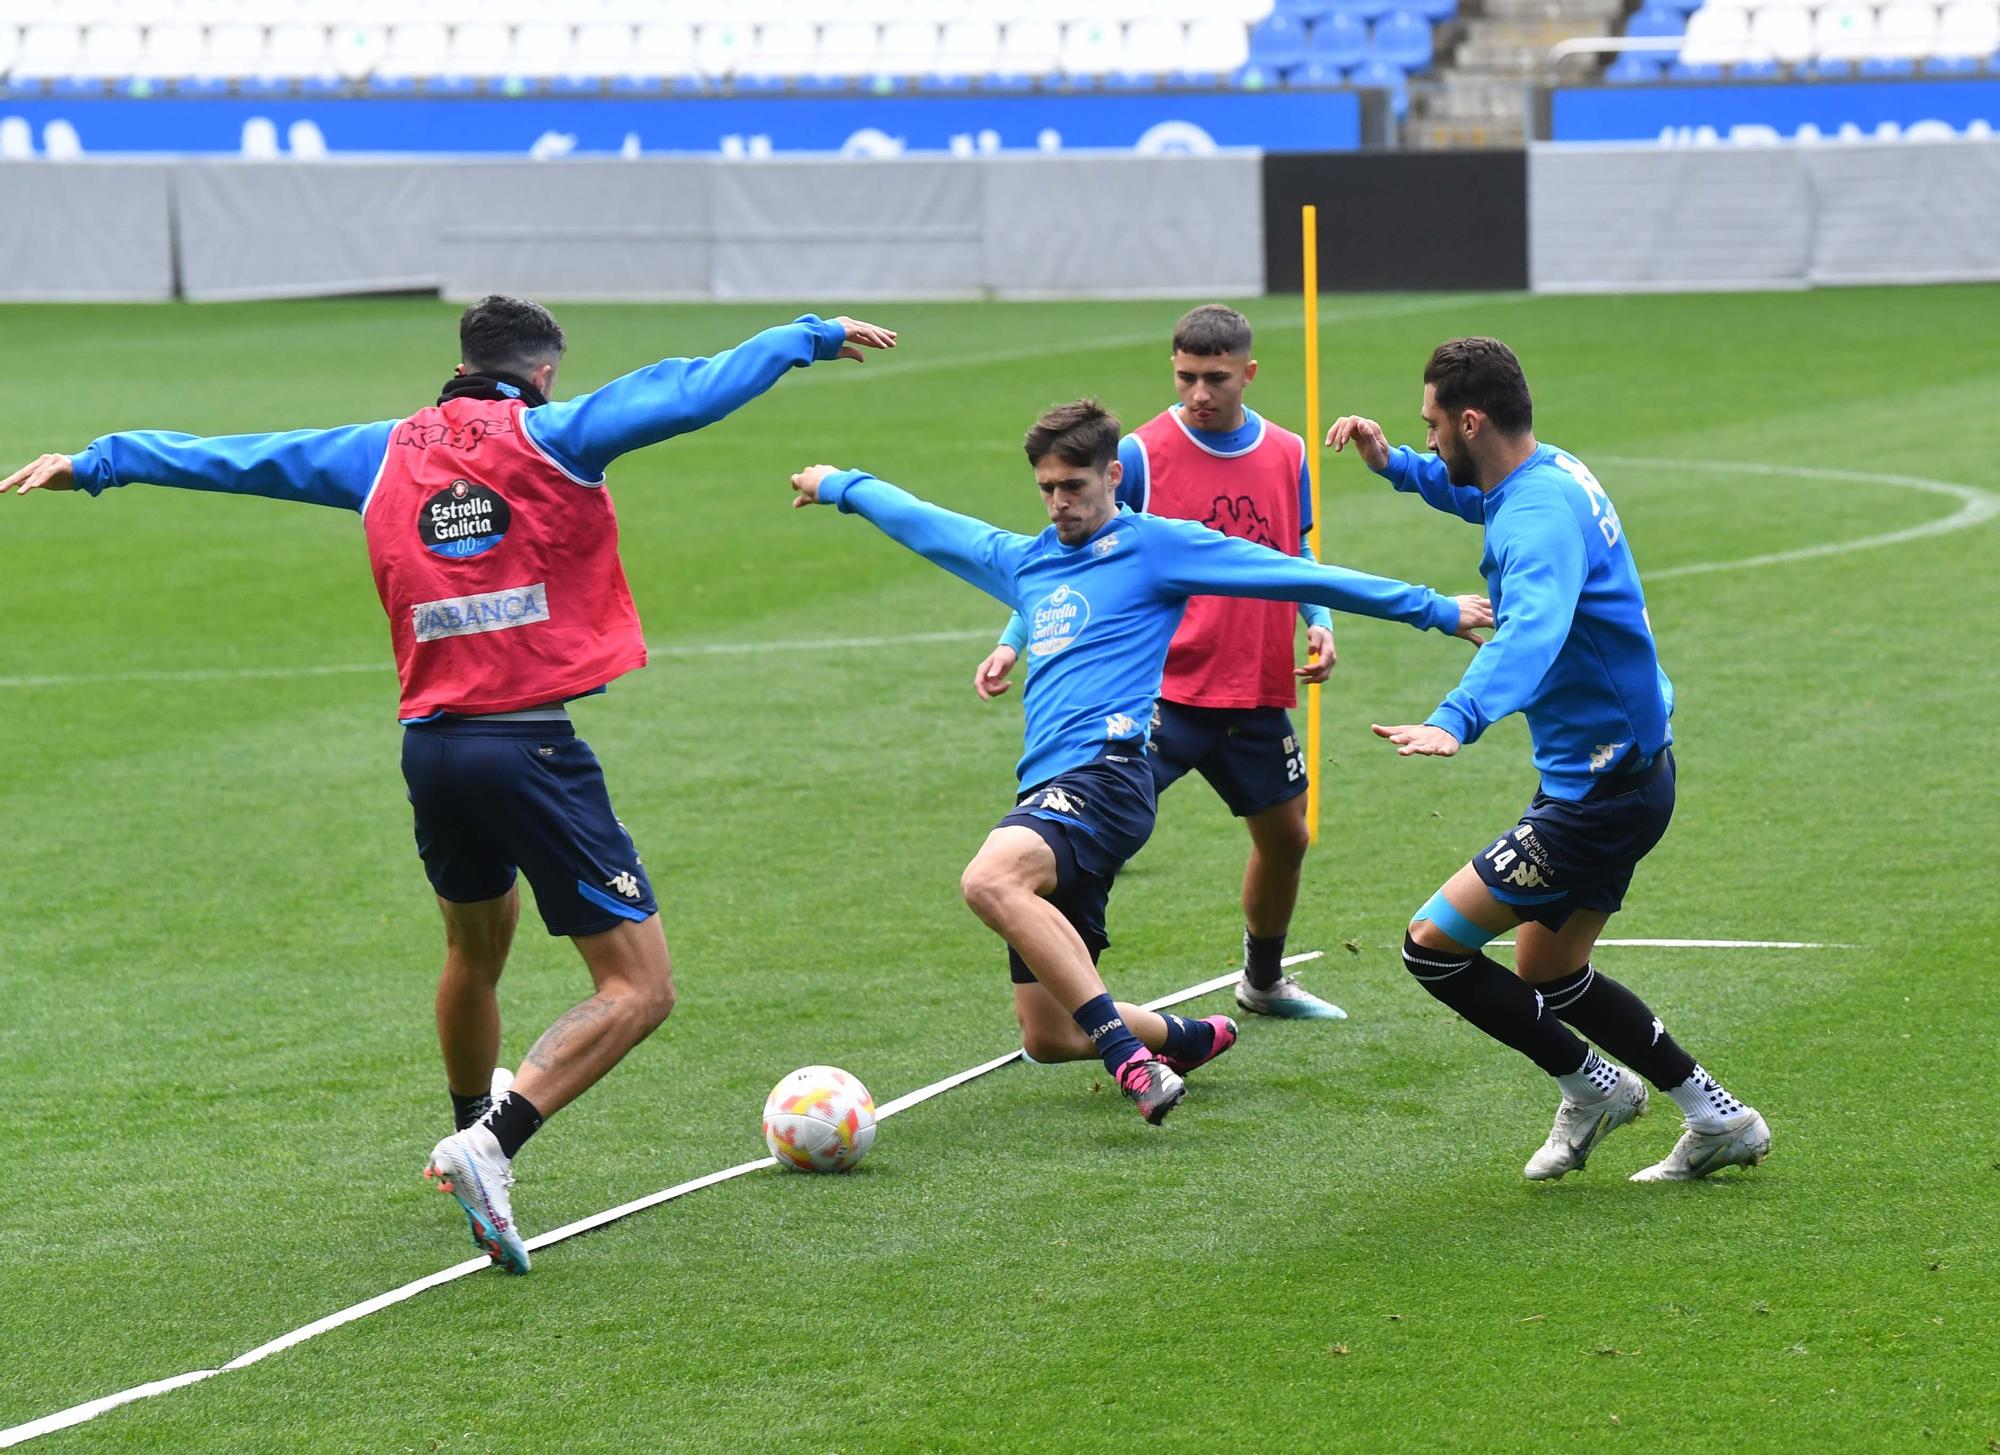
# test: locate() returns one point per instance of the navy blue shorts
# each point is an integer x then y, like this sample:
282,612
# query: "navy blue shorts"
1567,855
491,797
1094,818
1249,755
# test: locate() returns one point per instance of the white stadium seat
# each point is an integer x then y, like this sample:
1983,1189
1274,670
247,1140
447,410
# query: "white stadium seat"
1031,47
783,48
542,48
110,51
1092,47
20,14
909,47
172,50
602,48
10,45
849,48
297,51
662,48
1844,31
1906,30
48,51
1781,32
969,47
1215,44
81,13
482,48
356,49
1716,36
721,48
941,12
416,49
1156,46
1969,29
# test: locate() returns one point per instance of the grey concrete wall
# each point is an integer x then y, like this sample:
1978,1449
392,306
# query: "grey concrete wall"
89,232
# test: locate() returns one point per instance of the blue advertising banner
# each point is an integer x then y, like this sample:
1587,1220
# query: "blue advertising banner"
1760,113
968,124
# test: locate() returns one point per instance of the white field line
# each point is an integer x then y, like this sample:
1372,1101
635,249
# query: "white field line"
78,1414
1722,944
1976,507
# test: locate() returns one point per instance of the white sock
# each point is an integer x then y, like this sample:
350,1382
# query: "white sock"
1704,1103
1594,1080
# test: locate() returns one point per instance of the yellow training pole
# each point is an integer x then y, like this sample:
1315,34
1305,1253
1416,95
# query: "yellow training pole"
1309,226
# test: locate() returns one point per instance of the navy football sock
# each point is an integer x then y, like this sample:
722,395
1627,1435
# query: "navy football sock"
1263,959
1500,1003
1187,1040
512,1121
1108,1032
1621,1023
467,1110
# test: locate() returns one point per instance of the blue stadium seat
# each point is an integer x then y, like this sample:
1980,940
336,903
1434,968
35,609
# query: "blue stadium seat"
75,88
944,81
1340,41
1402,40
1682,71
1635,68
1391,78
1006,81
1951,66
1130,81
1277,41
1315,73
1653,21
1887,66
1755,71
1306,12
263,88
573,86
1255,77
637,85
1364,9
1201,80
377,85
1824,70
1435,11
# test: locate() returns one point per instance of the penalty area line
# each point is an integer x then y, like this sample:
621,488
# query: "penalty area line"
91,1409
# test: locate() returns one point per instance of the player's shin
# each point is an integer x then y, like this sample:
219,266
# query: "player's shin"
1616,1019
1498,1003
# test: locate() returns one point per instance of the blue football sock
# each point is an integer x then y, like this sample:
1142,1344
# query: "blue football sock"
1108,1032
1188,1040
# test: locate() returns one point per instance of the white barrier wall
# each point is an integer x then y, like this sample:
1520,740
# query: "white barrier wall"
1651,218
1108,224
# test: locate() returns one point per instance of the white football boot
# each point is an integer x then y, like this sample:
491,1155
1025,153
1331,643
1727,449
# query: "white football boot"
470,1167
1744,1141
1287,1000
1581,1125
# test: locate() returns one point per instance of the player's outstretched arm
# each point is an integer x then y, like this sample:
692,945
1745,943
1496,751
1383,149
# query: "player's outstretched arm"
678,396
1405,469
975,552
333,467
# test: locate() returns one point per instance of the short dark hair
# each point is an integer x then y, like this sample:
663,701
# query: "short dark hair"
506,335
1210,330
1482,374
1082,432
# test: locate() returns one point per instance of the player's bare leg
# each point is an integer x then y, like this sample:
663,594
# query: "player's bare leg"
1005,885
1278,843
477,938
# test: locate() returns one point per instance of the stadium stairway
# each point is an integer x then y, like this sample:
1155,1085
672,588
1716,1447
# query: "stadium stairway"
1497,50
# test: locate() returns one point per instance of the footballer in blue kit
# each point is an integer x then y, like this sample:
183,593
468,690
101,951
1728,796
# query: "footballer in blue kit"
1573,652
1101,592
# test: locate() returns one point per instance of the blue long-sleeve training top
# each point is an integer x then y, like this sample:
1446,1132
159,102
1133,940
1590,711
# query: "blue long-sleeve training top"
584,435
1135,488
1101,614
1573,648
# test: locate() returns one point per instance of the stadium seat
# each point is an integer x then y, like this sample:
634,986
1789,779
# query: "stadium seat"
662,49
1435,11
1844,31
542,50
10,46
1716,36
1305,12
1655,21
1877,67
1315,73
782,48
909,47
1968,30
1402,40
1905,30
48,50
1092,47
1635,68
1781,32
1030,47
1826,70
296,52
1155,47
1755,71
1339,41
415,49
970,46
1953,66
1277,42
1217,45
722,47
849,48
110,50
481,49
1390,78
1254,76
1694,71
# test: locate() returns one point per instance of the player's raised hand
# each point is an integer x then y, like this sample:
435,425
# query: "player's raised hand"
1320,656
1418,740
864,336
1474,612
806,484
49,472
1366,436
989,678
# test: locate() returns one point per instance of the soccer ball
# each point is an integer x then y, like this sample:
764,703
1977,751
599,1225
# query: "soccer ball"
819,1119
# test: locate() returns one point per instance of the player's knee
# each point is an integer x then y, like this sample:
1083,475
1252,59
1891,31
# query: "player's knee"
1047,1048
986,887
658,1002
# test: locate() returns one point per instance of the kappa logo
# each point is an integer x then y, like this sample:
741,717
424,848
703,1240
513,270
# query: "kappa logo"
624,882
1057,801
1119,725
465,438
1527,875
1106,546
1056,621
1604,755
1237,515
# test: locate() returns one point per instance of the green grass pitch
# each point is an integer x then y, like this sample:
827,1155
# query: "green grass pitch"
218,1078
